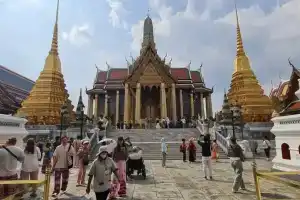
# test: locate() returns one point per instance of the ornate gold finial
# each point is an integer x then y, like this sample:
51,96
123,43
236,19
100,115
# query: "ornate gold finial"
239,42
54,45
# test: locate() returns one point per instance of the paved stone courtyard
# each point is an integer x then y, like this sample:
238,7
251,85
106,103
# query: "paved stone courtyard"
184,181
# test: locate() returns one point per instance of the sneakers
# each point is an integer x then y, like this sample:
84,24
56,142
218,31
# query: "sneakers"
54,194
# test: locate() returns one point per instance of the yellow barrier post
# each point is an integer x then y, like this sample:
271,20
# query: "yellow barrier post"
47,183
256,181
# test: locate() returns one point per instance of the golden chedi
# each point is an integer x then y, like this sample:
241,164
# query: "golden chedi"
44,102
245,89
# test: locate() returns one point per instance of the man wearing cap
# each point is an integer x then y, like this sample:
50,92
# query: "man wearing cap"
61,164
101,170
236,156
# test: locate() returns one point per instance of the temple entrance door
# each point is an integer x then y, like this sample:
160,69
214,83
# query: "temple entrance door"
150,103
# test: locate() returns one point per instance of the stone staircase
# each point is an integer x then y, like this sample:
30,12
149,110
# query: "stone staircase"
152,151
155,135
149,141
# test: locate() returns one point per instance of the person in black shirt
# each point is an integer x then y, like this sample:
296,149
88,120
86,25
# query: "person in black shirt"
56,143
206,154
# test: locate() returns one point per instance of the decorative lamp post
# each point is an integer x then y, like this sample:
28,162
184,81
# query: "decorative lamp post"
63,112
81,120
235,117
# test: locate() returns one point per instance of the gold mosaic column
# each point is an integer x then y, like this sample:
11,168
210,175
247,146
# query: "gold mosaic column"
163,101
181,103
174,106
201,106
126,104
90,106
138,103
208,106
192,105
106,105
96,107
117,106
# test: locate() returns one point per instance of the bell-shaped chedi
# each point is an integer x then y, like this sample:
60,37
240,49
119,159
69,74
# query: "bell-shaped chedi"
245,88
49,93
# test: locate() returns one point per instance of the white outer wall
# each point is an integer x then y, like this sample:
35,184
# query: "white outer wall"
7,132
287,130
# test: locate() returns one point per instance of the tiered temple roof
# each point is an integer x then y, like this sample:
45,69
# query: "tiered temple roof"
14,88
290,102
114,77
245,89
46,98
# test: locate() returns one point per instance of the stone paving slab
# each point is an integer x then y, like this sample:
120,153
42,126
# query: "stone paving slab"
184,181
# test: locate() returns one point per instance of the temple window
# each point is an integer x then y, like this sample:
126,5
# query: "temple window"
299,149
285,151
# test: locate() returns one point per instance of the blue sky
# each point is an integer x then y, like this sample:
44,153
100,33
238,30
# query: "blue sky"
203,31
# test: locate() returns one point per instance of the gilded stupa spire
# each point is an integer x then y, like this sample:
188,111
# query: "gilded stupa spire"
239,41
245,89
43,105
54,44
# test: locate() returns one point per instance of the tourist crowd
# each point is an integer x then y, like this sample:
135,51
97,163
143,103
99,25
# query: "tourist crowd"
108,171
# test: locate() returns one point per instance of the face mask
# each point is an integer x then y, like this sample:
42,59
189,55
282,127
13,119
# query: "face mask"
103,156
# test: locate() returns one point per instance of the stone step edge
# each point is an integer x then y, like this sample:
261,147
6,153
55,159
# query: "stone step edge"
171,142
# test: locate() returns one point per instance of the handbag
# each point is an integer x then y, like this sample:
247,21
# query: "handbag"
11,153
70,159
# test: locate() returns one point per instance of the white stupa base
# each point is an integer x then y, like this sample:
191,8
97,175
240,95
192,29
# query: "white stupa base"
12,127
286,165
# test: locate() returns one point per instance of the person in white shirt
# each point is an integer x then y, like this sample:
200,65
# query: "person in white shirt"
62,161
267,147
30,165
10,155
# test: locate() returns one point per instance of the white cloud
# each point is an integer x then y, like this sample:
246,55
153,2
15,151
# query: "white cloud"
117,13
79,34
269,39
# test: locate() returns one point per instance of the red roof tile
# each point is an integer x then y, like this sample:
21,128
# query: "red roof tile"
101,76
117,74
295,106
196,77
180,73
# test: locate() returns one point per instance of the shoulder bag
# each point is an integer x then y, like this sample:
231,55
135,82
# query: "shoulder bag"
69,158
11,153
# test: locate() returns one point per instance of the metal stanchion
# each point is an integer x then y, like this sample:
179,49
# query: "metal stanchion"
256,181
47,183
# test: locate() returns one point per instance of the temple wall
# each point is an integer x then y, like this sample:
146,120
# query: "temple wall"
186,103
121,105
101,104
112,106
178,103
197,104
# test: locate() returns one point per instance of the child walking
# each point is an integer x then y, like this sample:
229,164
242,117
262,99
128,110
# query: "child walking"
215,152
164,151
183,148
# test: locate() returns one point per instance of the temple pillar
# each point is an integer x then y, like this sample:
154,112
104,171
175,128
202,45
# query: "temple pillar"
96,108
201,106
208,106
181,103
106,105
192,105
117,106
163,107
90,106
174,115
138,104
126,104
